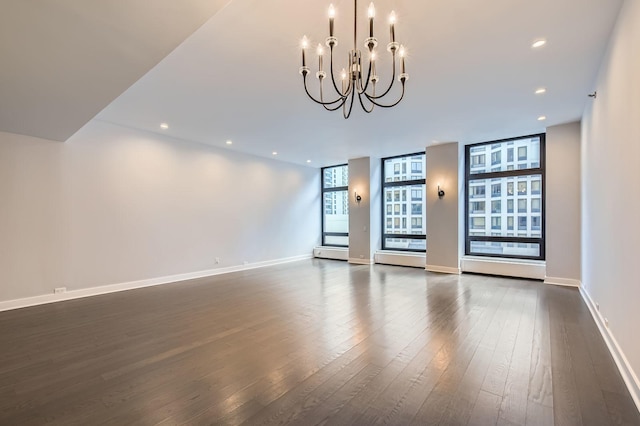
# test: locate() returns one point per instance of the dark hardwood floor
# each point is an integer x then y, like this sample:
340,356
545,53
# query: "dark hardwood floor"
314,342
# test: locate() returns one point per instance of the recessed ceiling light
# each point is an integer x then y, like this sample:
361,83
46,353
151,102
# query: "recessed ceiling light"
541,90
539,43
542,118
229,142
274,153
308,161
164,126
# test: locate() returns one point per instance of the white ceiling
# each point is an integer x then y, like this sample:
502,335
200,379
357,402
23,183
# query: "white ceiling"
63,61
472,76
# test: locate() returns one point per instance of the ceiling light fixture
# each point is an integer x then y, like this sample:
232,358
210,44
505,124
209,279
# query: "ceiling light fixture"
542,118
164,126
229,142
274,153
539,43
308,161
541,90
352,80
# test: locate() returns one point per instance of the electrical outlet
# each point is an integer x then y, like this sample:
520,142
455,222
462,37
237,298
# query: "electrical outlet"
59,290
217,260
606,322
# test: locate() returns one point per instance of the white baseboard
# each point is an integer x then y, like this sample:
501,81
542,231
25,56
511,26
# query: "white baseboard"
400,258
520,268
336,253
443,269
628,375
567,282
112,288
361,261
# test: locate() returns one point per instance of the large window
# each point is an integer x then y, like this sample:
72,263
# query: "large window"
514,178
335,206
403,185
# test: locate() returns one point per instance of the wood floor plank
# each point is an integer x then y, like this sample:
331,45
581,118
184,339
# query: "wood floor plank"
313,342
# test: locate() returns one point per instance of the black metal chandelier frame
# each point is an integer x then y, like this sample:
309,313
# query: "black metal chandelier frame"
352,81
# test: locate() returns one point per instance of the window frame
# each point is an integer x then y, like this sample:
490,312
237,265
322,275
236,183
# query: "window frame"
323,191
487,176
385,185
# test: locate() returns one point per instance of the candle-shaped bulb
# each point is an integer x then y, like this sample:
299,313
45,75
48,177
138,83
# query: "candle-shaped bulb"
304,44
372,14
373,55
332,14
392,26
320,50
402,51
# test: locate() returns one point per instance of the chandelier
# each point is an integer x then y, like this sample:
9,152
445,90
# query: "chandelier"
352,80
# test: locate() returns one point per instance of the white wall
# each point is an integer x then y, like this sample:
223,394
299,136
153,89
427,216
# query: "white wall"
114,205
611,187
364,217
443,213
562,198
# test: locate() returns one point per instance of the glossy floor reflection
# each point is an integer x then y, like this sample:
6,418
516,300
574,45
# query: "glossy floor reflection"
313,342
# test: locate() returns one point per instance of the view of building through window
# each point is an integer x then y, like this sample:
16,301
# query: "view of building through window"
505,198
335,206
404,221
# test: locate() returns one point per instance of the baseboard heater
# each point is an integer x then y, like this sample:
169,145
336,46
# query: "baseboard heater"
534,269
336,253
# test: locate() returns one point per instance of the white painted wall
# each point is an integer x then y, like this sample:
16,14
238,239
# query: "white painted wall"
562,198
611,186
114,205
362,230
443,213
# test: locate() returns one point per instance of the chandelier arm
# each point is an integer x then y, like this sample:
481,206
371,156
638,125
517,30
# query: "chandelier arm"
366,85
325,106
306,89
371,99
333,80
362,103
393,80
346,114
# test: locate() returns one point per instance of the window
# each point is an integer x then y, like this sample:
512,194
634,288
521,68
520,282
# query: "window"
496,189
404,210
335,206
535,187
496,158
496,222
535,205
522,153
477,191
515,180
522,205
477,207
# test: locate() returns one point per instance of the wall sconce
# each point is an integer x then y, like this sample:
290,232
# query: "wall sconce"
440,192
358,197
